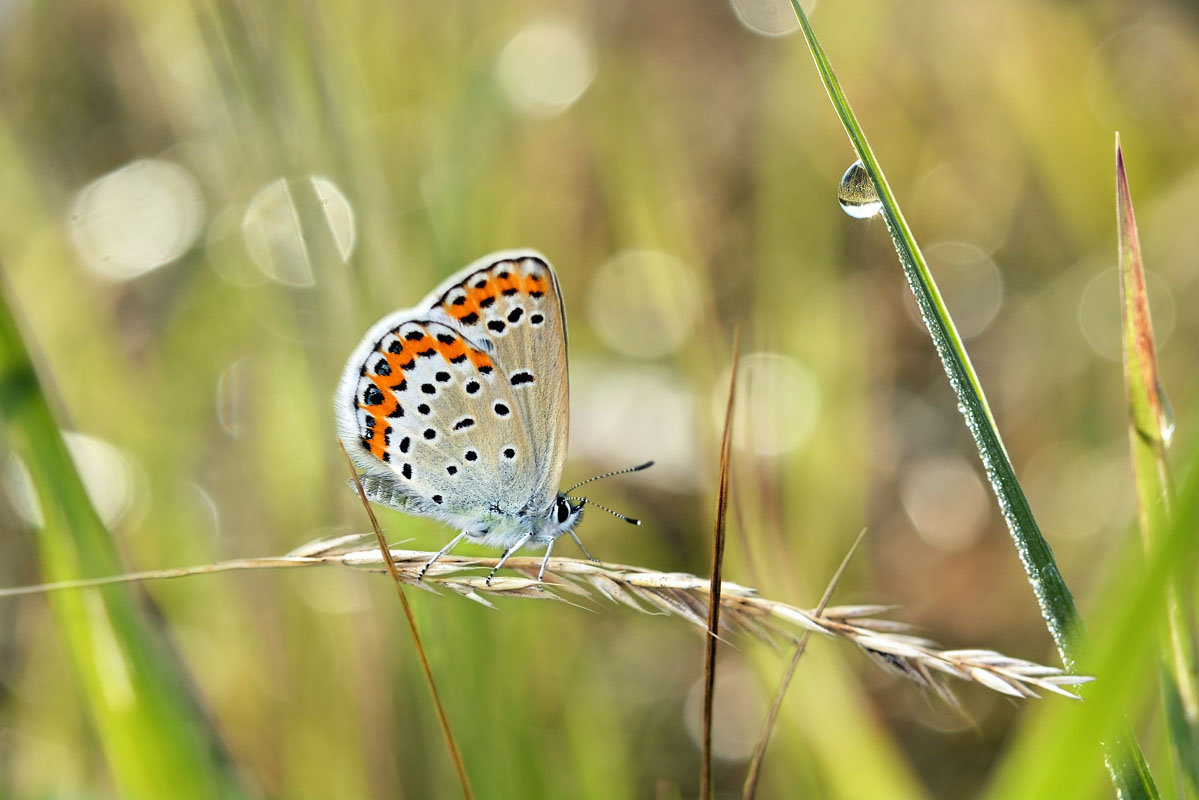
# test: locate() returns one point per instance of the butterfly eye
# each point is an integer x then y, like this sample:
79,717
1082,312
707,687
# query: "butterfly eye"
563,510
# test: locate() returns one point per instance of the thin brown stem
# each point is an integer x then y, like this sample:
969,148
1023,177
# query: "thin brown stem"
385,551
718,538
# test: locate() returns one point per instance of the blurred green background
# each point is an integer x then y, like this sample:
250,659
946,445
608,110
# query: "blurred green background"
204,205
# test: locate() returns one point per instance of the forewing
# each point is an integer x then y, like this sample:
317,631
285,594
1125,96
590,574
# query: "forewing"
511,304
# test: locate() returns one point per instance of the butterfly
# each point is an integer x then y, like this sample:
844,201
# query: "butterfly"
457,409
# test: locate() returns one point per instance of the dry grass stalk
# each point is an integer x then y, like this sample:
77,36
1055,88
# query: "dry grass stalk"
716,582
673,593
742,609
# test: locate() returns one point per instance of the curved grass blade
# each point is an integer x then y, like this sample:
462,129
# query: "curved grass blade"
1053,596
1150,427
157,739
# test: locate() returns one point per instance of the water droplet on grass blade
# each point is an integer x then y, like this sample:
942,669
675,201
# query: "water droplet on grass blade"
1166,420
856,193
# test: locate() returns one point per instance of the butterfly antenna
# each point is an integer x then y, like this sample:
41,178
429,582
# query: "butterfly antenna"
625,471
617,514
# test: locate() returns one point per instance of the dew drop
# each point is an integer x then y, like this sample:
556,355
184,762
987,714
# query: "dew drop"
856,193
1166,418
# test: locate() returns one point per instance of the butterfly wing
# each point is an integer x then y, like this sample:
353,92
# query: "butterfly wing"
457,408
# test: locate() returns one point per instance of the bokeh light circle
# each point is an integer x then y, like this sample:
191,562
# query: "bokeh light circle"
946,502
970,282
645,303
137,218
737,703
545,68
110,476
777,405
627,415
273,228
1099,312
769,17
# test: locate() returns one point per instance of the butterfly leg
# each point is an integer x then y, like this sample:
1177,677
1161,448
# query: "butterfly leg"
579,542
421,575
548,549
508,554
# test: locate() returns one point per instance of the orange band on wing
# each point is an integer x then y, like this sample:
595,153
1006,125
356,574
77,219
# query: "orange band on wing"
451,352
480,360
535,284
482,296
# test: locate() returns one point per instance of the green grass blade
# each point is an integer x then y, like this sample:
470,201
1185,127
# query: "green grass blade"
1053,596
1150,428
156,739
1045,759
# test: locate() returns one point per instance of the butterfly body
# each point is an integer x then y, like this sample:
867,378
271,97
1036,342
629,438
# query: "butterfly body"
456,409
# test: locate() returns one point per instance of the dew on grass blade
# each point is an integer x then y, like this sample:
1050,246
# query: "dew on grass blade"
856,193
1167,415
